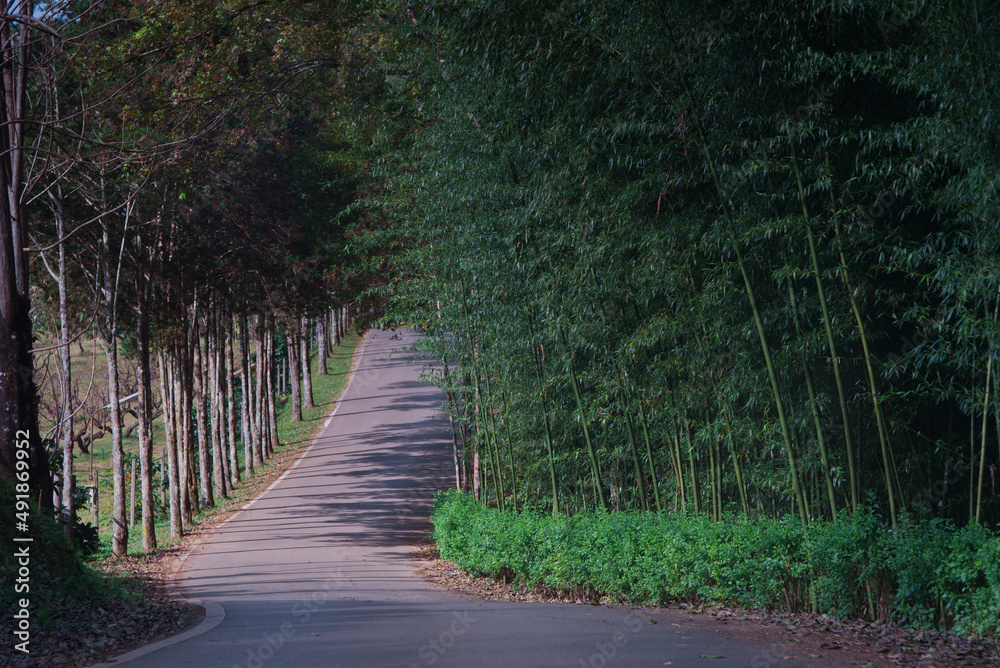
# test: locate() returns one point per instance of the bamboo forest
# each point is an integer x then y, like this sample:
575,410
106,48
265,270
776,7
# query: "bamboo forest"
729,260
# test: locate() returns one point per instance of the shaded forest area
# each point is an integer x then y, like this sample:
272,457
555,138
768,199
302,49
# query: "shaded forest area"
728,270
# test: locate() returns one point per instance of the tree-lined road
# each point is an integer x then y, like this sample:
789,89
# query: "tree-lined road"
320,570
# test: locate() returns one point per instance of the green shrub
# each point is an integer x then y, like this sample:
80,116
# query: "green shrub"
925,573
848,557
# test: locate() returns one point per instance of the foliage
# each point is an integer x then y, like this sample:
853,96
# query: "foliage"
929,572
56,572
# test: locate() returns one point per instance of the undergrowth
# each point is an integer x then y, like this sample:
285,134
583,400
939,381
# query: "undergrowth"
925,573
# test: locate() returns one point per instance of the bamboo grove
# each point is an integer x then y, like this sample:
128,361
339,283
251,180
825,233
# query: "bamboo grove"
729,258
188,178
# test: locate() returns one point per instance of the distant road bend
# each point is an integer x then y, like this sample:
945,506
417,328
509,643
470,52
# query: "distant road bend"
320,570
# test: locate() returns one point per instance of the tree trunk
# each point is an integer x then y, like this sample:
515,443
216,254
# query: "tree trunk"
307,386
246,401
182,397
322,345
234,462
145,421
294,368
215,403
66,370
272,422
198,376
191,437
18,393
170,433
119,523
181,425
327,337
109,340
260,416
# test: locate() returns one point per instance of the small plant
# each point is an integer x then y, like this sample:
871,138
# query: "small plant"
86,538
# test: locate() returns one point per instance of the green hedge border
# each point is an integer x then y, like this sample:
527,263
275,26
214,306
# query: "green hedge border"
926,573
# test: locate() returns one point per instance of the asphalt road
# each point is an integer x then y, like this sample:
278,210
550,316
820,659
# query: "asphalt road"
318,571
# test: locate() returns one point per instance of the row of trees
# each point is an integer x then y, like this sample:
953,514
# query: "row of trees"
218,389
735,256
182,184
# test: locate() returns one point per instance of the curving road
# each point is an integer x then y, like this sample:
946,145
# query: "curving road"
318,571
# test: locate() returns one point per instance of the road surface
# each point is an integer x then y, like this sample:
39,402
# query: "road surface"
319,570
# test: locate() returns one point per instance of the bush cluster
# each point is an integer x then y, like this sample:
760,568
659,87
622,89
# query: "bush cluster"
926,573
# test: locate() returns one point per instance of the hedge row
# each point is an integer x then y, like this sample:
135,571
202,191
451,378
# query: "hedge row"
926,573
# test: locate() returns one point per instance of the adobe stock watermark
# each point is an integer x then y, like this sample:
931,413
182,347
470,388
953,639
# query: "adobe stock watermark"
766,660
436,647
417,499
933,494
607,650
923,334
899,15
22,548
765,152
300,613
695,45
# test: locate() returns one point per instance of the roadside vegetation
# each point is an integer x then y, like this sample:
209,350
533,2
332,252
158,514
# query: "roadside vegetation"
925,573
293,436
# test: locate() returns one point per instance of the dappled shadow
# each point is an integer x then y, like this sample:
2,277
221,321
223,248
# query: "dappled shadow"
356,502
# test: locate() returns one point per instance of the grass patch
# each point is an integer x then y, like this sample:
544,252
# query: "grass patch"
76,614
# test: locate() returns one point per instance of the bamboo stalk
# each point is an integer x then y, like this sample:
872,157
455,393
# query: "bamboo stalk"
882,432
649,455
751,297
828,328
540,368
695,487
679,470
451,419
637,462
714,482
598,486
986,413
510,454
739,474
814,408
497,483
